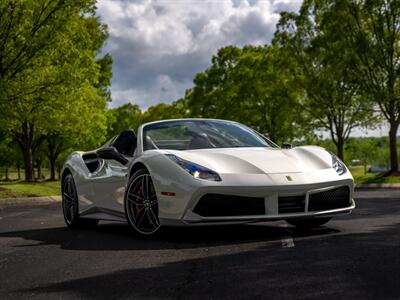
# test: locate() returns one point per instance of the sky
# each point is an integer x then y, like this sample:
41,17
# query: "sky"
159,46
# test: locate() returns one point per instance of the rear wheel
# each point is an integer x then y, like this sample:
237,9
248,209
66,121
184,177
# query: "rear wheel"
141,205
70,206
308,223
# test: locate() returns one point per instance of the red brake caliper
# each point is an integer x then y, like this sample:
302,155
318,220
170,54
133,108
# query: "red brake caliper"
137,199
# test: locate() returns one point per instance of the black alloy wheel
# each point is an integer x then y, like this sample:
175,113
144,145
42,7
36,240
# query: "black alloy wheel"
141,205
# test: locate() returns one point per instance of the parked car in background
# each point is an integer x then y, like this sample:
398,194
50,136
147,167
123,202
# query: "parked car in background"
355,162
377,169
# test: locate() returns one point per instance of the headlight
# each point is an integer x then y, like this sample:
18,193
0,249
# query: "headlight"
195,170
338,165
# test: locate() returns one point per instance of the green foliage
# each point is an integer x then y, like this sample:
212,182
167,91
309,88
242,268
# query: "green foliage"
38,37
330,67
360,177
54,86
127,116
105,74
372,150
368,150
364,149
375,178
250,85
369,33
162,111
9,154
327,90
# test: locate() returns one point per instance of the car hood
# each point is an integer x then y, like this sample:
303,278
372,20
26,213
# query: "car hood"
256,160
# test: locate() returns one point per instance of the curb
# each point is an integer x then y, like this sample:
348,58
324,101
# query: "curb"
377,186
7,202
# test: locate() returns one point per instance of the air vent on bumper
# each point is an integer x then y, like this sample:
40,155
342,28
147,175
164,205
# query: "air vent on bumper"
291,204
330,199
217,205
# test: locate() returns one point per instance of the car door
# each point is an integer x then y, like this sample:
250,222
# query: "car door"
108,184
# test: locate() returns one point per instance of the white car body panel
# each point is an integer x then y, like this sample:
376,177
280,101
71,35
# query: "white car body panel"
267,173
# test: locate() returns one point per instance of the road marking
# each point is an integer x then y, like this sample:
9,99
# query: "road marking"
287,242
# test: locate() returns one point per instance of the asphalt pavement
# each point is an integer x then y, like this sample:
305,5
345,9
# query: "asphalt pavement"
355,256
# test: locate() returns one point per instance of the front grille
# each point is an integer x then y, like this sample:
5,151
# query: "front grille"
291,204
217,205
331,199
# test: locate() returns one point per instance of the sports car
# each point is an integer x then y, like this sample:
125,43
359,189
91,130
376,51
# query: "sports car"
189,172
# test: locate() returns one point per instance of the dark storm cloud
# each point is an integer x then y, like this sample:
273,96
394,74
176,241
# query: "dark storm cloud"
158,46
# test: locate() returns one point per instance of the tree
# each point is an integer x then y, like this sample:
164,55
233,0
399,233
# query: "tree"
372,30
9,154
47,62
105,73
365,149
29,31
163,111
249,85
329,92
72,130
127,116
214,87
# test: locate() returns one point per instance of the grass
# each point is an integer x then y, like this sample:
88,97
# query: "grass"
361,178
375,178
17,189
357,170
13,173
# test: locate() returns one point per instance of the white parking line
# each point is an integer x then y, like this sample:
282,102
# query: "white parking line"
287,242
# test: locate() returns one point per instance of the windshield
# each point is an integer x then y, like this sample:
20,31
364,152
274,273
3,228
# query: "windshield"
201,134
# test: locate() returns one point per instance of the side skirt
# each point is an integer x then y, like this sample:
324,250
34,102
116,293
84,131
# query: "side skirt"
103,214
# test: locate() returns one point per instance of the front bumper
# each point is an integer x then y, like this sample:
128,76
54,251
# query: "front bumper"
271,197
190,218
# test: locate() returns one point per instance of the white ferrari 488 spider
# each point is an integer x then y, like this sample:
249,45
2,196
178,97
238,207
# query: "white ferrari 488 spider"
202,171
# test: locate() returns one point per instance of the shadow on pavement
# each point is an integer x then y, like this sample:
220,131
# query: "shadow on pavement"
120,236
354,266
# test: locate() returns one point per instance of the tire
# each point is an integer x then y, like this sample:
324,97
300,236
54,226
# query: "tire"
141,204
308,223
70,206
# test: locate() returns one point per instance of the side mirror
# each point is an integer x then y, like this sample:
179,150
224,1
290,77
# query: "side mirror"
287,146
111,153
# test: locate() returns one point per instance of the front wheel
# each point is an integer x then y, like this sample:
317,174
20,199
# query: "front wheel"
308,223
141,205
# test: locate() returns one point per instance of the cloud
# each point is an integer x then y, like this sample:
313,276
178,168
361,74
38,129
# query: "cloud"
158,46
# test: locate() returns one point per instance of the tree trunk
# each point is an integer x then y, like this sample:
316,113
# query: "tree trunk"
39,169
7,179
59,171
394,160
54,146
27,154
19,171
52,169
24,139
340,147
